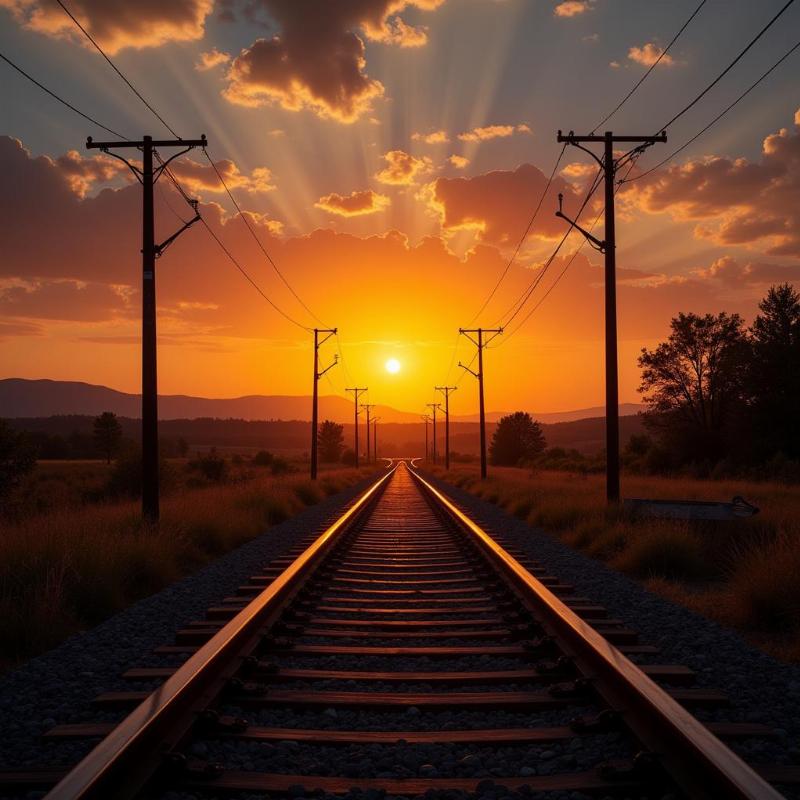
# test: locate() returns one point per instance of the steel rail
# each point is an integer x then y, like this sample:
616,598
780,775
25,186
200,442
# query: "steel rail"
692,756
122,762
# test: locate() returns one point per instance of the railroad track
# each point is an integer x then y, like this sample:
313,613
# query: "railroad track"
404,649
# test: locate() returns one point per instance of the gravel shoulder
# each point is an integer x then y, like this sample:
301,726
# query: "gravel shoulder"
761,688
56,687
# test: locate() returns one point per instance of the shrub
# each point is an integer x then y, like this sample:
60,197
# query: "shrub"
664,551
349,457
211,466
280,466
263,458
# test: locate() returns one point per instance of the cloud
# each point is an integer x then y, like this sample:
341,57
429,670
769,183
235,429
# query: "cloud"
492,132
648,54
592,37
64,300
437,137
83,174
318,60
198,177
459,162
578,170
736,201
116,24
498,204
735,274
572,8
210,59
356,204
402,169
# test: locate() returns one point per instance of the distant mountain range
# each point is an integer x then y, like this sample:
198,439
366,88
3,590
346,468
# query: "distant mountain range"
20,397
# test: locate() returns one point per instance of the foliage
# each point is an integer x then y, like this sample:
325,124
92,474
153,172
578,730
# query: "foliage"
107,433
17,458
349,457
330,440
263,458
210,465
694,383
517,437
280,466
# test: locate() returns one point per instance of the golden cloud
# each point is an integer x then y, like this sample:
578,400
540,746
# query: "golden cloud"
116,25
212,58
459,162
198,177
648,54
492,132
437,137
317,61
402,169
356,204
572,8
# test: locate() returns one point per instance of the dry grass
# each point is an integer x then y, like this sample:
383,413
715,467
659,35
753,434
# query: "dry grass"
70,568
745,574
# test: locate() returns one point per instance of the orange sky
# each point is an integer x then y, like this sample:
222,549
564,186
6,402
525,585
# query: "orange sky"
390,201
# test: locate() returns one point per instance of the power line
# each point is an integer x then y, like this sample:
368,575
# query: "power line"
523,237
114,67
718,117
258,240
729,67
60,99
652,67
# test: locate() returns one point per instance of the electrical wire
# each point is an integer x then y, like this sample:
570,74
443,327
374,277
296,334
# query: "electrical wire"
259,242
729,67
652,67
717,118
114,67
60,99
524,235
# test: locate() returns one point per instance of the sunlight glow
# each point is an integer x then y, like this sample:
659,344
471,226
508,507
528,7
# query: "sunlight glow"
393,366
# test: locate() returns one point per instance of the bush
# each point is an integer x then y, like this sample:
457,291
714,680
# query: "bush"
349,457
664,552
263,458
280,466
211,466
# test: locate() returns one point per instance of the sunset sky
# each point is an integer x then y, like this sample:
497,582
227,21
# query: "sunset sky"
389,155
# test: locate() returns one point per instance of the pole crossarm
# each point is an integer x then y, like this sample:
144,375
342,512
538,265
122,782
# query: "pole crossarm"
572,138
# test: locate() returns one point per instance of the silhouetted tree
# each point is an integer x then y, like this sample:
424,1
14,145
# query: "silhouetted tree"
330,440
516,438
774,375
17,457
694,383
107,434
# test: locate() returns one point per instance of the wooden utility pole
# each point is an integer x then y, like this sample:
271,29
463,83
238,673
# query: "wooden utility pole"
375,437
426,419
446,390
356,393
368,407
480,343
315,396
148,177
609,165
433,407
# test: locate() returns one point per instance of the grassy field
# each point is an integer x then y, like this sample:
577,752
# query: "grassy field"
69,561
745,574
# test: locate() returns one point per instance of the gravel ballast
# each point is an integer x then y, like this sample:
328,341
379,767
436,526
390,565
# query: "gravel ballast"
57,687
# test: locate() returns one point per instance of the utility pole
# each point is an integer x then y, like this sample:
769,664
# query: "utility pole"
446,390
433,407
356,392
426,419
368,407
315,397
609,165
480,343
375,437
148,177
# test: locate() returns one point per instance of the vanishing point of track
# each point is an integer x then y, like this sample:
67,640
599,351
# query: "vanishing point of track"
403,607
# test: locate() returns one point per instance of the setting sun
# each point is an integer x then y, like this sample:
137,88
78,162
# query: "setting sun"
393,366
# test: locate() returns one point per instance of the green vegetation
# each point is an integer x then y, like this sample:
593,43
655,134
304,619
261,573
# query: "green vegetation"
73,550
330,440
743,574
517,439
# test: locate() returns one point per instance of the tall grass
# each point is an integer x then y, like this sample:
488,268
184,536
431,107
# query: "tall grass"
72,567
744,573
